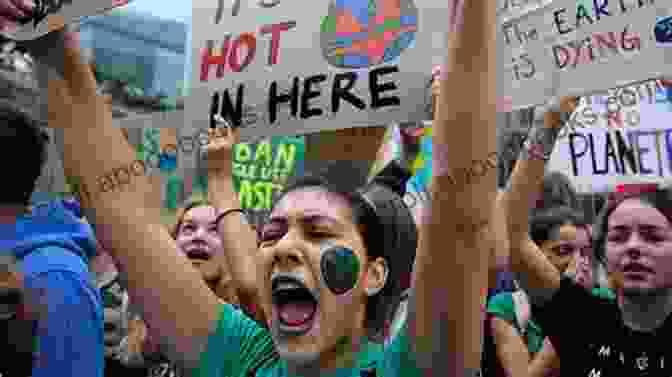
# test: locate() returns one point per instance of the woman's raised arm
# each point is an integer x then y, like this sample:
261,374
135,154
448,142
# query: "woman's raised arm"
538,277
239,240
451,270
175,300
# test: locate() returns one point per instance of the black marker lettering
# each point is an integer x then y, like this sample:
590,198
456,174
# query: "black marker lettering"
338,92
227,111
599,8
308,94
593,160
274,99
559,22
610,154
573,151
376,89
582,13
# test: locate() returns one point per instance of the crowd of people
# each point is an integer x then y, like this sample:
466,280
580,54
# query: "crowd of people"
340,280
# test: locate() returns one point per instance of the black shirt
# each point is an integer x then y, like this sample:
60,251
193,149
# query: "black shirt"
591,339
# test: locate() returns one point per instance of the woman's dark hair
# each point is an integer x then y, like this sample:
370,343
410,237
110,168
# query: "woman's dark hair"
659,199
23,153
345,178
543,224
557,191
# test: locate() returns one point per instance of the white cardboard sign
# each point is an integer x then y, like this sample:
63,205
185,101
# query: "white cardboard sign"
570,48
297,67
596,159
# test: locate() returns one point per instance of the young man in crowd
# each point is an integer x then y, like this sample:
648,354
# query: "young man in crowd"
51,320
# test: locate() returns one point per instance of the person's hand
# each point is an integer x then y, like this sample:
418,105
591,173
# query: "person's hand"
555,109
569,104
73,100
211,271
219,150
12,12
137,337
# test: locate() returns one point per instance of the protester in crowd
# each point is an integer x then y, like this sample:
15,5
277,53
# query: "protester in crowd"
634,238
132,349
555,203
52,320
637,280
557,190
195,232
218,340
561,234
395,175
237,235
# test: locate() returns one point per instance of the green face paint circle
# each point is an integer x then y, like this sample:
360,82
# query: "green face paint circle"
340,269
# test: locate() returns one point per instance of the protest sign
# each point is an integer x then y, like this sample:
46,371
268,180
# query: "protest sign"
616,108
570,48
596,159
261,170
50,15
287,67
354,144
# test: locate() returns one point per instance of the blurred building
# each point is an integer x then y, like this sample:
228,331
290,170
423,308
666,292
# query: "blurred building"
145,50
142,50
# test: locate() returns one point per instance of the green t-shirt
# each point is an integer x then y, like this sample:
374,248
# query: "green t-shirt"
604,293
239,347
503,307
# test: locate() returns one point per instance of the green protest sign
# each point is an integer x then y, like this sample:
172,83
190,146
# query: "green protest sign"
260,170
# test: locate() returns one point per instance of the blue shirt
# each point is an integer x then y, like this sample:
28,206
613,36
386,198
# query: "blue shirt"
52,249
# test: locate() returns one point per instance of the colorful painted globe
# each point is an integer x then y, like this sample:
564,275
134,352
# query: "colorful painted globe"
365,33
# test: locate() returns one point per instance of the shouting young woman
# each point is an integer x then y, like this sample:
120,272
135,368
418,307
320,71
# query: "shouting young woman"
323,269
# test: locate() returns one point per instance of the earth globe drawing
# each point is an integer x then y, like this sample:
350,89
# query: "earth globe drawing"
363,33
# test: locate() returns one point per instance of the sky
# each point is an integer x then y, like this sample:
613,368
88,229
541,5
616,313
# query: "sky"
175,9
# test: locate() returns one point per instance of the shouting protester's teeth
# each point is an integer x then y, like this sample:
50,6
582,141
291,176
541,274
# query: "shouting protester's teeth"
295,304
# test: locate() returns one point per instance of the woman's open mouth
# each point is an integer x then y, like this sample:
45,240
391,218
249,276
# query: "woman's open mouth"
636,271
198,255
295,305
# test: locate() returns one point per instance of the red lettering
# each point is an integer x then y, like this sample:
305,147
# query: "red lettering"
630,41
614,120
275,31
610,43
230,52
250,41
208,59
573,52
577,55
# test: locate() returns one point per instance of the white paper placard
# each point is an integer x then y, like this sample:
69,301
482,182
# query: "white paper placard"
618,46
596,159
343,63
